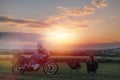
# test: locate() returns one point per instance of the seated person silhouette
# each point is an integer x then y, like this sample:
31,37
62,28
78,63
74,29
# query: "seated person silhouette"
91,64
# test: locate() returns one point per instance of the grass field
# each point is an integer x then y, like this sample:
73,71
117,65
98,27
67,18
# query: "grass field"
106,71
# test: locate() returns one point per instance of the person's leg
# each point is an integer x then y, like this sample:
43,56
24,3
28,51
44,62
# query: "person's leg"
88,71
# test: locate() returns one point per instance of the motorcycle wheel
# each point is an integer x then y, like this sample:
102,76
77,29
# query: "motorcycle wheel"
17,69
50,68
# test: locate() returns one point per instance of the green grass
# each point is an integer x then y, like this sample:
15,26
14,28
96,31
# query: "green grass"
106,71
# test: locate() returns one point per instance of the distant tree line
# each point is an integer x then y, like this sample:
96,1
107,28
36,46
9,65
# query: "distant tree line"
102,52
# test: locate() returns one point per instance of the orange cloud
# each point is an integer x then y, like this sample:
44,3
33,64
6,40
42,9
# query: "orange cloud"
75,12
99,3
82,11
67,16
73,16
89,7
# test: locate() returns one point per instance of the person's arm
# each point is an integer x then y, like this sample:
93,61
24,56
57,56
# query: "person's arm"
96,64
46,52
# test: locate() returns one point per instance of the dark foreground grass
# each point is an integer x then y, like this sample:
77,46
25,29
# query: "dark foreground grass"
106,71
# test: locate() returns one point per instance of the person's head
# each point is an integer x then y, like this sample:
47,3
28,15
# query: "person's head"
39,45
16,53
91,56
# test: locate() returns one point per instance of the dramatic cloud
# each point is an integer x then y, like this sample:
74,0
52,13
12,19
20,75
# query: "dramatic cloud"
75,12
99,3
8,19
11,19
66,16
89,7
72,16
82,11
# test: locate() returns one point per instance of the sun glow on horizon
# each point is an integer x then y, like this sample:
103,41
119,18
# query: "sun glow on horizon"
60,36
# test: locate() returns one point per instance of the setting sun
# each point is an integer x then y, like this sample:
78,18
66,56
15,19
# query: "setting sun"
59,36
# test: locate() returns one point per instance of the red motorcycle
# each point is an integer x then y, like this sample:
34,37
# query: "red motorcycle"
23,64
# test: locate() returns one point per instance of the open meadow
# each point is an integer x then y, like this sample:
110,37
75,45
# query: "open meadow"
106,71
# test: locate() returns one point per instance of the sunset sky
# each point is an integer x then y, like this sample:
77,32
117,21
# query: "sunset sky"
58,24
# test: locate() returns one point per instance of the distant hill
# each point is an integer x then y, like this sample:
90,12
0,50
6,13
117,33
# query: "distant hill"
99,46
